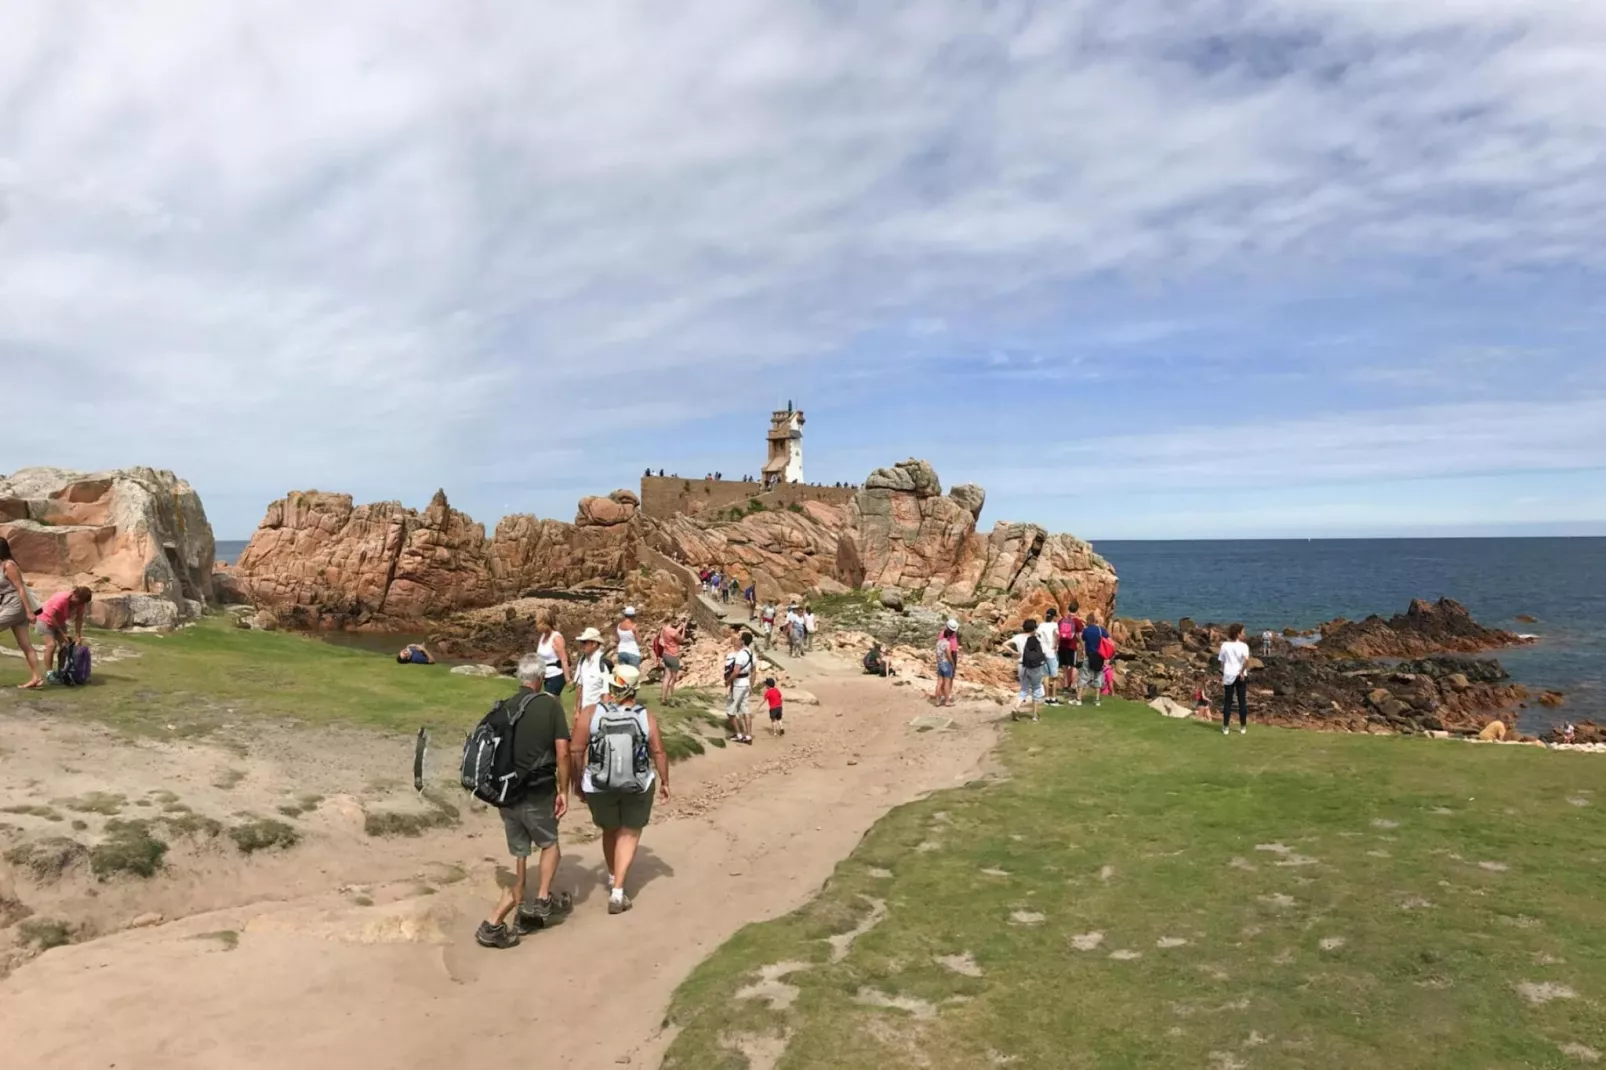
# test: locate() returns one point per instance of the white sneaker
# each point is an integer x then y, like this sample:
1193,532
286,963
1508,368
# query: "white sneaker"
1243,730
1224,730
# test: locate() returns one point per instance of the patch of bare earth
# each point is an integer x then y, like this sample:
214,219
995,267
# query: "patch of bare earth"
780,815
1544,991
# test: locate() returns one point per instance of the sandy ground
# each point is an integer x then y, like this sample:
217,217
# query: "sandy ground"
317,977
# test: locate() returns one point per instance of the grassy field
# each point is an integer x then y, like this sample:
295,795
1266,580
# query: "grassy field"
1137,892
200,678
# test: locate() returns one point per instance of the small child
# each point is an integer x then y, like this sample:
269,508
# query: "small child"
1201,704
772,699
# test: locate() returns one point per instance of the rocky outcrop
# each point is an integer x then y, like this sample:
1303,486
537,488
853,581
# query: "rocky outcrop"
322,561
334,563
1309,687
137,537
1424,628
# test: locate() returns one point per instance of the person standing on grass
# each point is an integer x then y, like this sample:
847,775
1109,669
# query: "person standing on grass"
1092,674
1068,643
947,664
1048,637
627,648
739,685
592,672
550,644
669,640
1030,665
53,617
621,815
1234,657
16,613
541,759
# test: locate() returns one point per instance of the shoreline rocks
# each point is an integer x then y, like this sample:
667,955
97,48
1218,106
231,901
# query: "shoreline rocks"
1426,627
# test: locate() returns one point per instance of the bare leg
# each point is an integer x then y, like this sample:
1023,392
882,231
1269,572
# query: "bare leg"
624,852
610,845
511,897
20,632
49,658
549,871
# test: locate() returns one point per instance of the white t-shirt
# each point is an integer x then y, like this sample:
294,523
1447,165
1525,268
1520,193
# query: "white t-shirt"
743,661
1234,657
593,680
1019,643
1048,636
809,623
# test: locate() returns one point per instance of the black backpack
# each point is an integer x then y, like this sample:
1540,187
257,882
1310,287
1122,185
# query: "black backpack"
488,771
1031,654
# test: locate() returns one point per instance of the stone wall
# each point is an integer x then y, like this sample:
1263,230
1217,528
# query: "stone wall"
668,497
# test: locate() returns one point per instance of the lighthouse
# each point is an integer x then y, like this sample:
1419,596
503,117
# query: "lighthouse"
785,462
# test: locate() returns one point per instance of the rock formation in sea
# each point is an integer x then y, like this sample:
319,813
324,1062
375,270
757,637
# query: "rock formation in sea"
325,562
1424,628
137,537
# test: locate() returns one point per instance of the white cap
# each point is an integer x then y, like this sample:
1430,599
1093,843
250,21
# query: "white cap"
630,611
953,624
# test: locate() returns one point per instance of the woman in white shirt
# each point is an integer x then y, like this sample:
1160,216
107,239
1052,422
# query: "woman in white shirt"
550,645
1234,657
628,648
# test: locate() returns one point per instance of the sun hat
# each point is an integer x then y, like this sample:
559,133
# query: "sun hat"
630,611
625,678
953,624
590,635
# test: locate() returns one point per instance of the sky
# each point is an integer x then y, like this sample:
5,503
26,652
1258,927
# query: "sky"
1143,269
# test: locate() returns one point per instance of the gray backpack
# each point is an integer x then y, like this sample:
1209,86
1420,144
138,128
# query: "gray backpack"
616,757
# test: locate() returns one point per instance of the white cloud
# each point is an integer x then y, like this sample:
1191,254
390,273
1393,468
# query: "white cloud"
286,243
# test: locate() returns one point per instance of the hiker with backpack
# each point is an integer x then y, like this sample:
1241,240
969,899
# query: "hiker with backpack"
1030,667
622,762
16,613
739,665
51,623
1048,637
517,759
1099,650
1069,641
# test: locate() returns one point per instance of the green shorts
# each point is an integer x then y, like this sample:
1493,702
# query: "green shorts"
614,810
531,824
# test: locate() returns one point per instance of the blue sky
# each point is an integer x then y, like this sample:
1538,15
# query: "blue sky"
1207,268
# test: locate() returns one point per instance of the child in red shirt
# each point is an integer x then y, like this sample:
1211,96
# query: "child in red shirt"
772,699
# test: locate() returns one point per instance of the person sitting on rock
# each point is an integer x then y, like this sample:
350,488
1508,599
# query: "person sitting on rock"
414,654
51,623
874,663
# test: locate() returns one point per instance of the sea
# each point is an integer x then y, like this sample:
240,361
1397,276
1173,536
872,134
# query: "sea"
1278,583
1283,583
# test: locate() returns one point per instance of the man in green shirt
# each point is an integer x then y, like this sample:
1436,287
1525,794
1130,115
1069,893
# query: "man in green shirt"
541,756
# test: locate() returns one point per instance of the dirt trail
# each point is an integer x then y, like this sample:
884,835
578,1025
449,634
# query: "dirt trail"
314,979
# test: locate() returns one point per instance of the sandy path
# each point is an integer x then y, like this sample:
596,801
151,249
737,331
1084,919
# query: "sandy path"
317,980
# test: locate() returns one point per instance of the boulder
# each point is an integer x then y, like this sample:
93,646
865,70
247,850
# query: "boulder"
138,533
1169,708
617,508
892,598
970,497
1458,681
486,671
906,477
1424,628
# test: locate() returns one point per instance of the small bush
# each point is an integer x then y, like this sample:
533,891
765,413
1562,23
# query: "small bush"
48,858
129,847
441,814
32,810
263,833
45,933
795,507
185,823
227,937
96,802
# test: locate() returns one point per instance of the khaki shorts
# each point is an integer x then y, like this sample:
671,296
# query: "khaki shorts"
531,824
616,810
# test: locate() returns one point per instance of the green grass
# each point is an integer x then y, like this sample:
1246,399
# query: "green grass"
129,848
45,933
262,834
229,939
1440,876
198,679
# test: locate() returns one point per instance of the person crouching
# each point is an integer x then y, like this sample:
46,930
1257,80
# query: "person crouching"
621,762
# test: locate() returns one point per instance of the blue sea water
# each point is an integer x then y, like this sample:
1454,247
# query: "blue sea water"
229,550
1277,583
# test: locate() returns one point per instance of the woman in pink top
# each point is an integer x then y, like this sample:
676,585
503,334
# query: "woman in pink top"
58,609
16,612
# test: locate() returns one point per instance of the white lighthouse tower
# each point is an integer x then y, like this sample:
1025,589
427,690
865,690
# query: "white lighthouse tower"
785,463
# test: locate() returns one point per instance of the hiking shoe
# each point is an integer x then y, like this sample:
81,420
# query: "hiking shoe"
533,918
495,936
618,904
